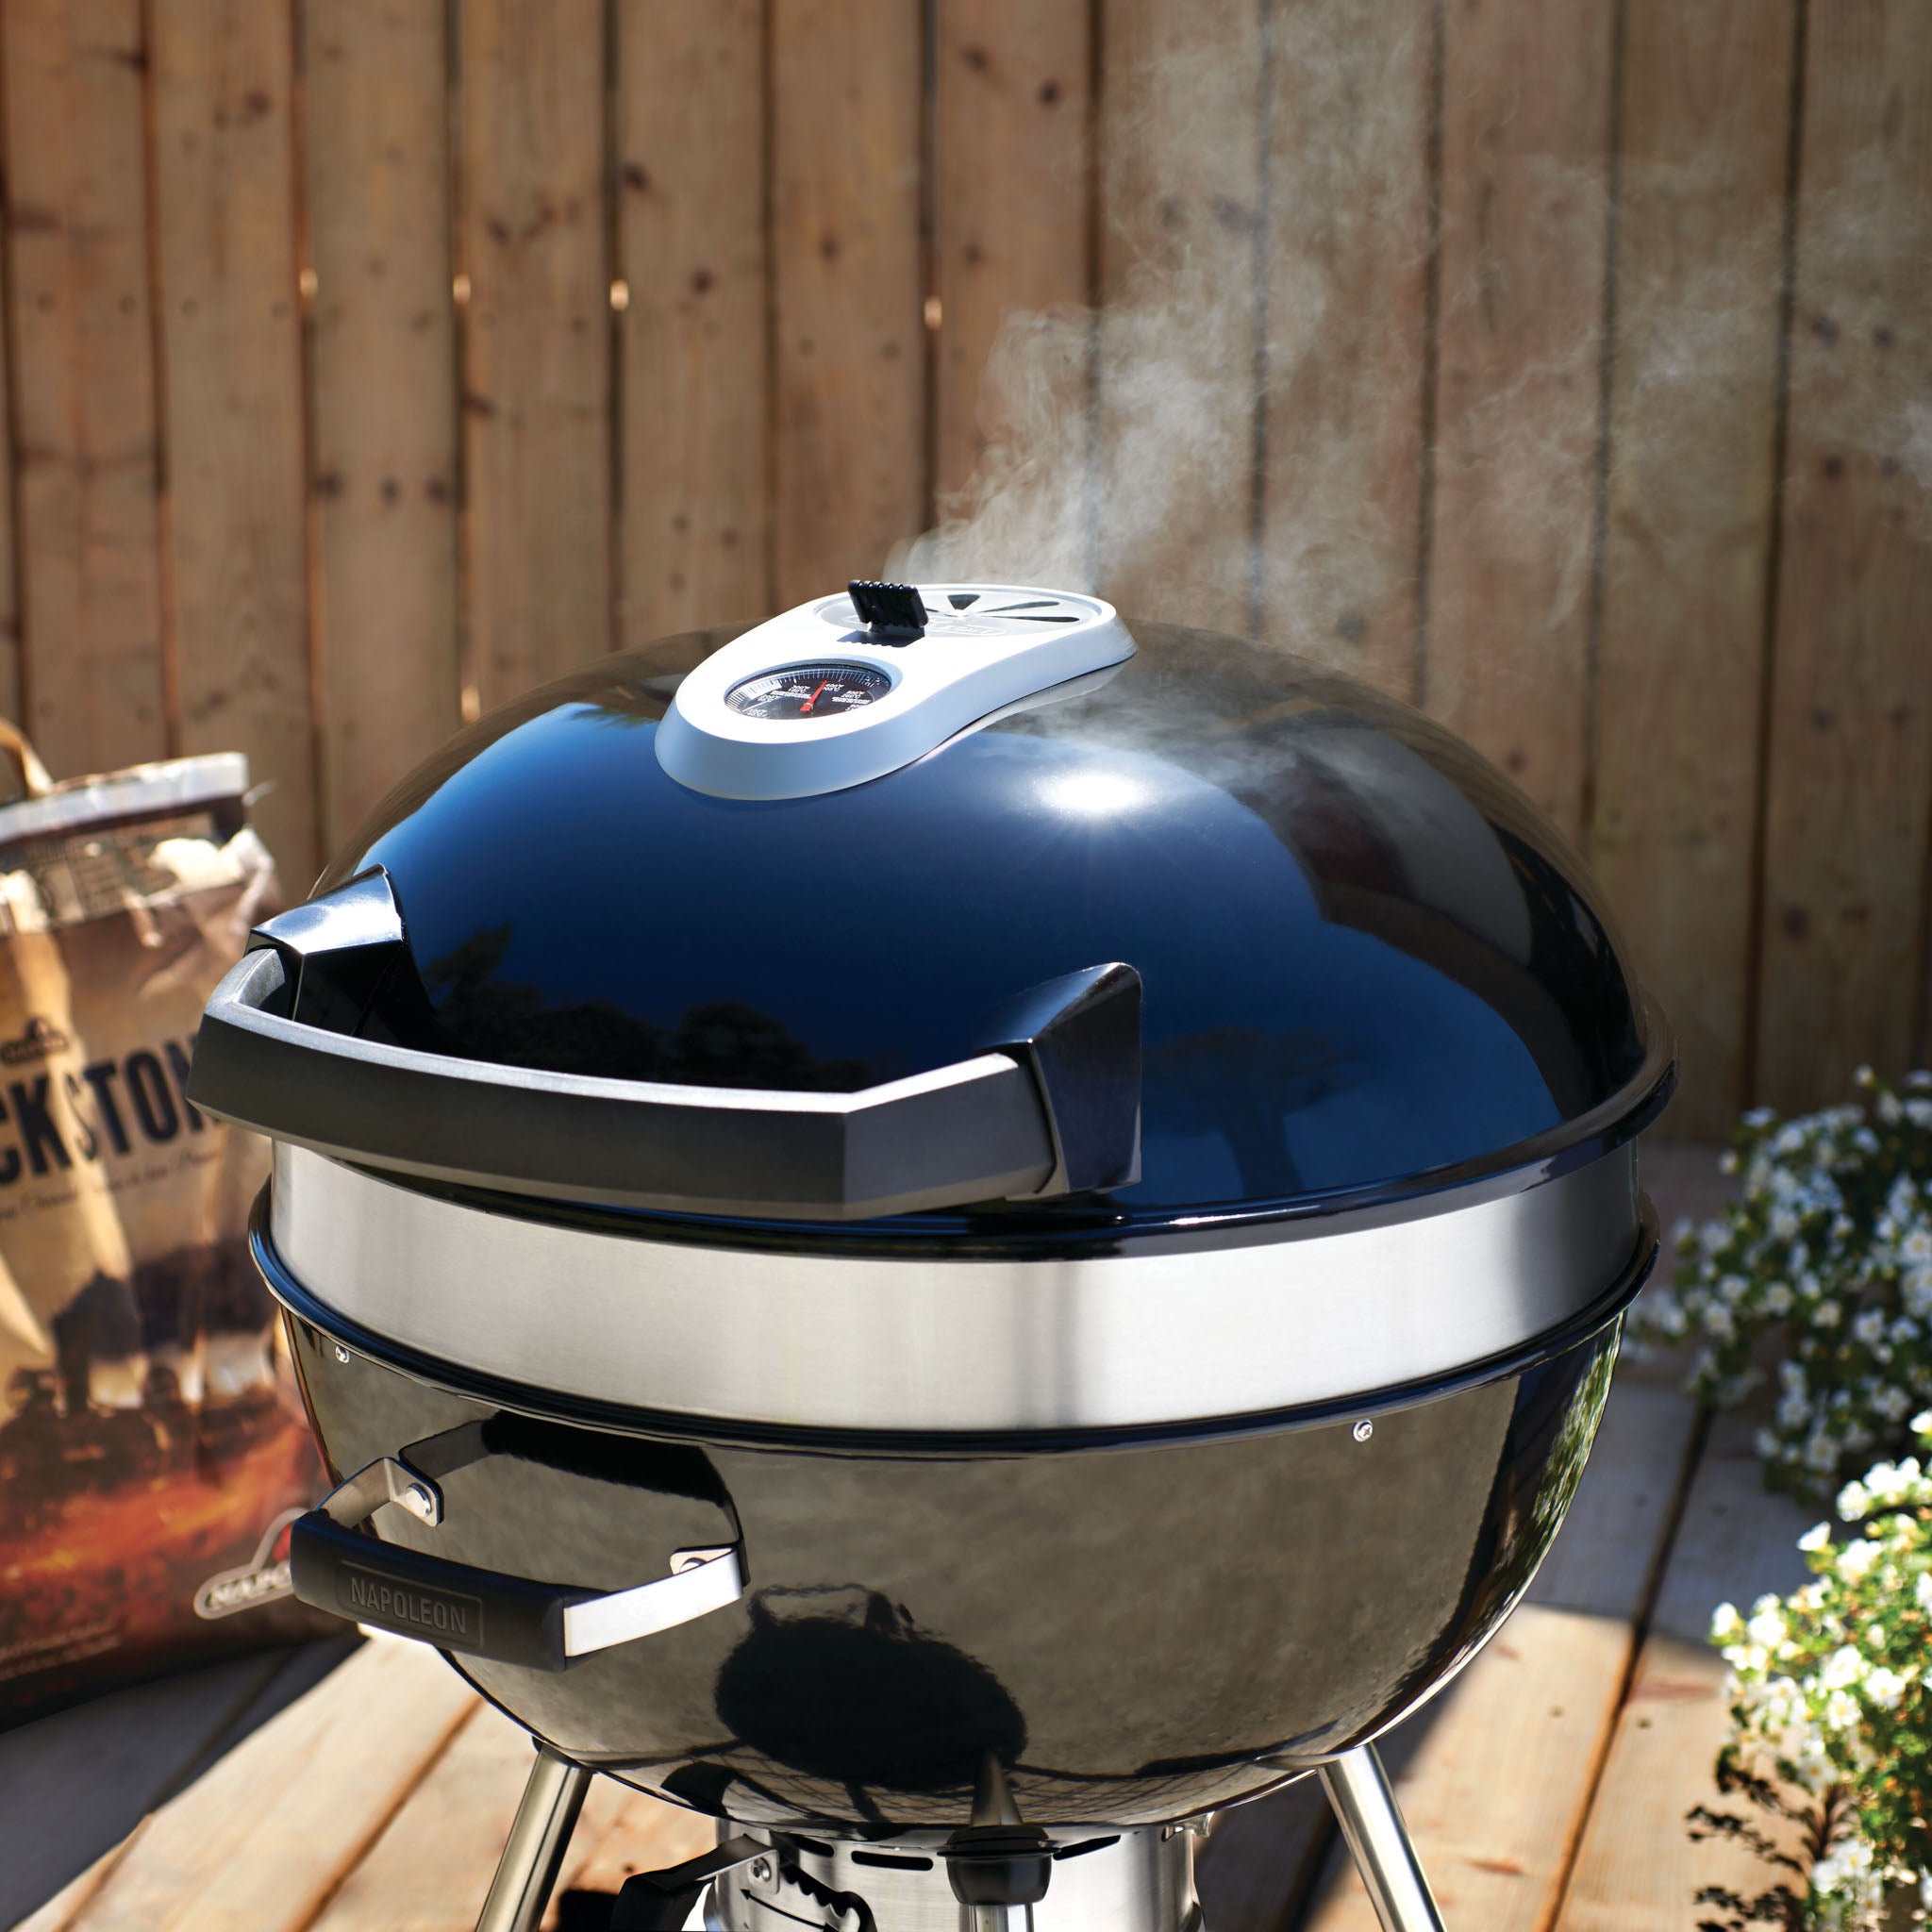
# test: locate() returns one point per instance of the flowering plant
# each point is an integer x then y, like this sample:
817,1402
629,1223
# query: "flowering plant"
1830,1243
1829,1698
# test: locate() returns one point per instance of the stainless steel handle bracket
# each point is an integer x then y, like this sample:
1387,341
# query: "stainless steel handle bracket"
385,1481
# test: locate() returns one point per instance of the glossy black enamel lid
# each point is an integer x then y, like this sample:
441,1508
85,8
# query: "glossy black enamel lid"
1369,966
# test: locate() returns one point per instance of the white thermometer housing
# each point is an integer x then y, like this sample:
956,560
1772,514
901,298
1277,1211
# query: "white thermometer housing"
820,699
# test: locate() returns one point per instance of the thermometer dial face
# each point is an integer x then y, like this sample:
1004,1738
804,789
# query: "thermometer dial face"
807,692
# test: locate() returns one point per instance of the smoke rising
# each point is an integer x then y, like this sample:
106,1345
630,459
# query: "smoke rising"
1238,244
1242,449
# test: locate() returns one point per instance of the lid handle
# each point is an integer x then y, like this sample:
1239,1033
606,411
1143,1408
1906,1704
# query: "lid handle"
1049,1106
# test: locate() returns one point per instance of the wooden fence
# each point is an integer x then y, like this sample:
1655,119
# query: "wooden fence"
1566,367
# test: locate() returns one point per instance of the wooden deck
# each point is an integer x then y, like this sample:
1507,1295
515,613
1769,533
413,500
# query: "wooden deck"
1546,1787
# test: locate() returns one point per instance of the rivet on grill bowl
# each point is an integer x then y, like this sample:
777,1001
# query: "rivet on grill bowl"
342,1355
1363,1430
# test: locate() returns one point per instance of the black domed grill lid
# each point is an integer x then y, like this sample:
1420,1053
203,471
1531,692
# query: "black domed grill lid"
1368,967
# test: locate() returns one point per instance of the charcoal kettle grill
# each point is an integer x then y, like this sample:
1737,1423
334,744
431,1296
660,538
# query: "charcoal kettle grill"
952,1232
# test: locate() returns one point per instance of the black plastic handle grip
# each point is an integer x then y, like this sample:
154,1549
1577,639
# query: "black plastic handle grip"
336,1566
1051,1108
449,1605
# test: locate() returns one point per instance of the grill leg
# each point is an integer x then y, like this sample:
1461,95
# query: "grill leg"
996,1918
1364,1807
534,1850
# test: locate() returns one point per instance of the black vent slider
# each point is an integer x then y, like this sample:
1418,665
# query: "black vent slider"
897,607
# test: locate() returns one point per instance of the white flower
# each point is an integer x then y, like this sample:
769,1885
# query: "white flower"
1891,1402
1889,1484
1725,1622
1854,1502
1827,1314
1777,1298
1915,1291
1843,1667
1845,1895
1868,1326
1922,1422
1842,1712
1814,1538
1718,1322
1813,1765
1921,1590
1884,1687
1767,1628
1856,1558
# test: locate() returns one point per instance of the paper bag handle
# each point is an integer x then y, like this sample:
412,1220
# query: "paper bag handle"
34,775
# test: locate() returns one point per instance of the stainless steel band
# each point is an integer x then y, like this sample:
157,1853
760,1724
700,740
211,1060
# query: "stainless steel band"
1313,1313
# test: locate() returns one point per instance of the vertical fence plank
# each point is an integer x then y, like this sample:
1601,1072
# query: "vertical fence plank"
1707,96
1526,125
537,382
11,693
1348,239
1011,209
692,244
382,450
1181,190
88,507
850,424
232,384
1850,771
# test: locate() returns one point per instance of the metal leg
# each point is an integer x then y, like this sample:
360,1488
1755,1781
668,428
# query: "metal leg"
1364,1807
534,1850
996,1918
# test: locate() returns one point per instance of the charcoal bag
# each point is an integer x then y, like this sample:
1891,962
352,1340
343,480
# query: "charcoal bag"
152,1451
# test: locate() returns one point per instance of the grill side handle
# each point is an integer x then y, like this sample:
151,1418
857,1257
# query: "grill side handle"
1049,1105
337,1567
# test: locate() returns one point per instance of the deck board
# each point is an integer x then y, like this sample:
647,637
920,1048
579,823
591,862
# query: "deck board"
74,1785
1637,1867
261,1842
1496,1783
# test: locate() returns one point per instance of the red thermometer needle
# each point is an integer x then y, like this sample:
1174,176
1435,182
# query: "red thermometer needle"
812,700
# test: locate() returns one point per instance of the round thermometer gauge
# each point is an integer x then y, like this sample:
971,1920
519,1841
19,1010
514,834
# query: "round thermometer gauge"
809,691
